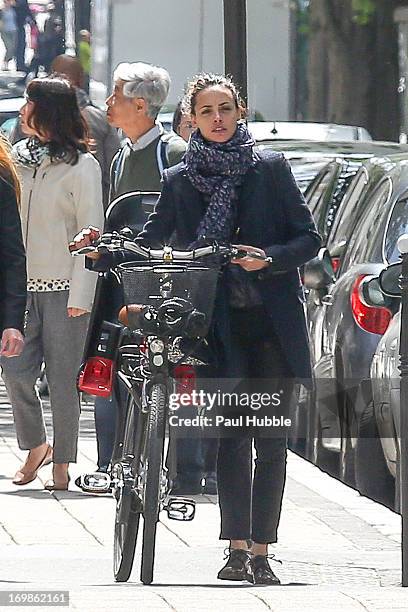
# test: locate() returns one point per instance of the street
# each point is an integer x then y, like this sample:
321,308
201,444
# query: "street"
339,551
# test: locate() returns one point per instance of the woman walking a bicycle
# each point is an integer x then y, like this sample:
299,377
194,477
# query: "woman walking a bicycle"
225,191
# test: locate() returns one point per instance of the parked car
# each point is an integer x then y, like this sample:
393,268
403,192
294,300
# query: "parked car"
377,467
308,158
345,330
301,130
325,193
9,111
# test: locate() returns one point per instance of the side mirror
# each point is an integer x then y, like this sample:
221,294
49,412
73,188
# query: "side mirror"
318,272
389,280
372,294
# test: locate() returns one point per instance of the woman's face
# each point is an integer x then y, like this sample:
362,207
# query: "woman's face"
26,112
216,114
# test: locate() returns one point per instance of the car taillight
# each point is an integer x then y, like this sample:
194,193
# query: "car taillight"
97,377
185,378
370,318
335,263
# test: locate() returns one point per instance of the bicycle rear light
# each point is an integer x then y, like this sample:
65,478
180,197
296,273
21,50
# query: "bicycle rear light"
97,377
185,377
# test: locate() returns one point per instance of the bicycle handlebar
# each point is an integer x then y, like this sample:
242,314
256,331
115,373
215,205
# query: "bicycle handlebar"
114,243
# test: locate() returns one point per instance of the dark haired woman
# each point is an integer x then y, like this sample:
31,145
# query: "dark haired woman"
61,191
226,191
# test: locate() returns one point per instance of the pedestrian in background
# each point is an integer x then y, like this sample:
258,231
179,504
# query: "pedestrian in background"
23,16
61,190
140,90
13,277
196,458
84,55
181,124
8,31
104,139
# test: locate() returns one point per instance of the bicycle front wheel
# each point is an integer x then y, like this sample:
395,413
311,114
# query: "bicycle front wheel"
128,507
153,464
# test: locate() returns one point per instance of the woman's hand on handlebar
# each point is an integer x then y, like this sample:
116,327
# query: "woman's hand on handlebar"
86,237
250,264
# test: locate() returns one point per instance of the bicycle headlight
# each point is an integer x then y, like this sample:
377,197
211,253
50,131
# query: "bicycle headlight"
157,346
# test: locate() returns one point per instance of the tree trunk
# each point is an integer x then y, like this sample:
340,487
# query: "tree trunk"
362,76
317,64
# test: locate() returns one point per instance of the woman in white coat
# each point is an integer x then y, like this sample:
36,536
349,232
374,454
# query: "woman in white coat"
61,193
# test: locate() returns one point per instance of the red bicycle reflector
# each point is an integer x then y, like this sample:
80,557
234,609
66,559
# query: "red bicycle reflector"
185,378
97,377
373,319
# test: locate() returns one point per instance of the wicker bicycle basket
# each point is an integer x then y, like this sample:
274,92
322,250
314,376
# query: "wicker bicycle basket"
152,284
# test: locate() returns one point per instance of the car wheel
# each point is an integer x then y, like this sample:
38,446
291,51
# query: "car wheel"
347,461
298,416
373,478
325,459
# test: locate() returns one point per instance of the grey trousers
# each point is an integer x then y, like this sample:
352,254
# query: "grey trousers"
53,337
10,42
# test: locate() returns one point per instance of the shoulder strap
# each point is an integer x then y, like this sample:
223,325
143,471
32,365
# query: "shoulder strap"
116,167
161,154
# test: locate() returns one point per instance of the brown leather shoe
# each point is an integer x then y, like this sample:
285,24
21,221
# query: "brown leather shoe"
23,478
53,485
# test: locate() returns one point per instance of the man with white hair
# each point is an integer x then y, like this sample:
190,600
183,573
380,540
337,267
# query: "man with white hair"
140,91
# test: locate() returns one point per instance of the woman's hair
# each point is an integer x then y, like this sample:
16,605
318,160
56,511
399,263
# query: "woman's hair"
56,114
144,81
203,81
7,167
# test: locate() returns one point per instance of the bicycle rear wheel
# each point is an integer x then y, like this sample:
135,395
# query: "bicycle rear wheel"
128,507
153,470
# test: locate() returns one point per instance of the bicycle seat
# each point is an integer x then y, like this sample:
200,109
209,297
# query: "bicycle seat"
132,309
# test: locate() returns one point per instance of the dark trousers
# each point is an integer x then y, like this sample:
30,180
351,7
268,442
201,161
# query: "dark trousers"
196,457
105,425
21,48
251,505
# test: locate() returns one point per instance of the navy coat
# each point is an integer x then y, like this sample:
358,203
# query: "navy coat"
13,275
272,215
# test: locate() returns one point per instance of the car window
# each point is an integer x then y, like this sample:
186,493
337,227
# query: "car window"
397,226
342,184
347,213
364,236
315,193
342,132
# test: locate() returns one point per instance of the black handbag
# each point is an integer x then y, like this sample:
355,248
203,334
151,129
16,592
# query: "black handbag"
243,293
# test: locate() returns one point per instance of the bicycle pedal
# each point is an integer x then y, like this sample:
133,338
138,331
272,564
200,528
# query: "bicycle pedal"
180,509
96,482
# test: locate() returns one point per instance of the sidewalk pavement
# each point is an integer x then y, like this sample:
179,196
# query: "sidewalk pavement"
340,551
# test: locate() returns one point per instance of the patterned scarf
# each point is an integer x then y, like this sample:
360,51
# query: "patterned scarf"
31,152
216,170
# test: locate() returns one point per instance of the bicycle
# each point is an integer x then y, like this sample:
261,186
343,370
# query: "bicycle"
167,298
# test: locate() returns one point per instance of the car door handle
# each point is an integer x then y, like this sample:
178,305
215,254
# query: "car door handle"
327,300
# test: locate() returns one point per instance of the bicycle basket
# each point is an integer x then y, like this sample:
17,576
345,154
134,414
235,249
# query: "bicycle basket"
152,284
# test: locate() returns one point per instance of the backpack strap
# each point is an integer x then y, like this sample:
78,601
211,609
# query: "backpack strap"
161,154
116,167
